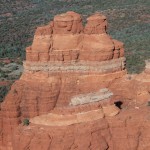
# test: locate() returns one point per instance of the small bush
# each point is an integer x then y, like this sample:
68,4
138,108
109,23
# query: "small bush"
26,122
3,91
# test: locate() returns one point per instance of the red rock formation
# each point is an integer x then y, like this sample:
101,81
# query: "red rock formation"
67,23
128,130
0,126
66,65
119,49
96,24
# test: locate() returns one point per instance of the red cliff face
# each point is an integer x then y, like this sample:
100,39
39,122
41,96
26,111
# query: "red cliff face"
72,77
127,131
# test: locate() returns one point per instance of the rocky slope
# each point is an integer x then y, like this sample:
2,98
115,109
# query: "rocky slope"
127,131
73,77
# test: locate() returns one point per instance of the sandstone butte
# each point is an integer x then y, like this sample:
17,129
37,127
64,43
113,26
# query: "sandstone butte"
72,88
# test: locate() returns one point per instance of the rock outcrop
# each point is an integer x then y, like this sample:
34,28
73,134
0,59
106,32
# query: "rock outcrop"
73,77
129,130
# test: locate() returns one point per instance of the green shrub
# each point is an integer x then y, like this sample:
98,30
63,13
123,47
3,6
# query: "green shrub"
3,91
26,122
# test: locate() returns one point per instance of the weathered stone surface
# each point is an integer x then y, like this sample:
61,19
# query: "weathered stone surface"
65,39
110,66
65,61
128,130
96,24
59,64
100,95
119,49
67,23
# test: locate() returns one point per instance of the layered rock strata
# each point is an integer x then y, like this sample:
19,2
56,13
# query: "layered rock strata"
100,95
134,88
129,130
72,76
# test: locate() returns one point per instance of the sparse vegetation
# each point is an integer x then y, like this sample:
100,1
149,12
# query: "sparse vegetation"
129,21
26,122
3,92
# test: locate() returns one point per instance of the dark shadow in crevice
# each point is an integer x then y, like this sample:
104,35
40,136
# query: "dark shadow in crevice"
118,104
